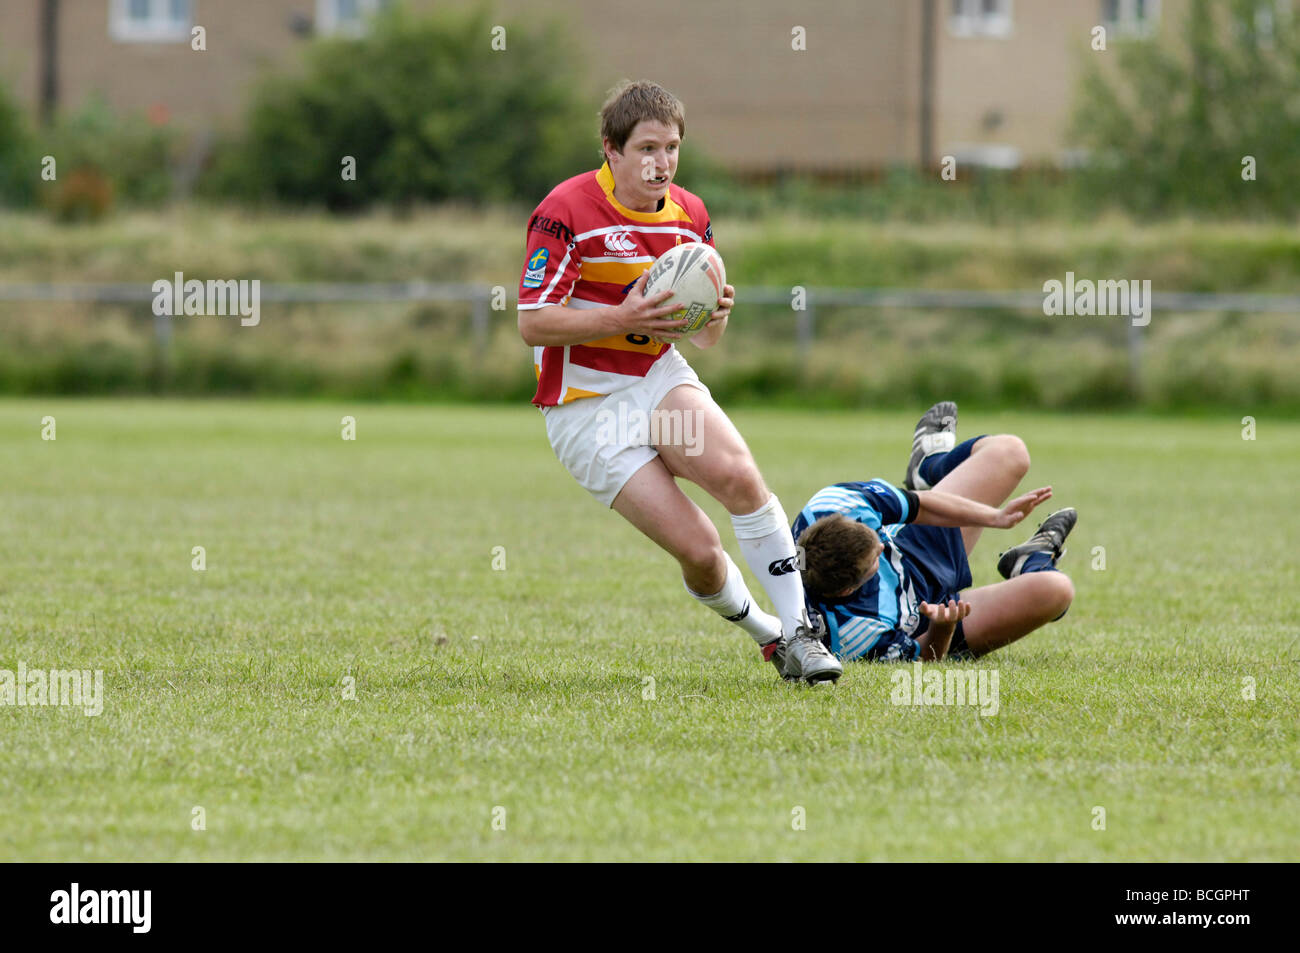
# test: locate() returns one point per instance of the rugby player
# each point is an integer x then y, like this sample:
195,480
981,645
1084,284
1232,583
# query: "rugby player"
604,352
887,567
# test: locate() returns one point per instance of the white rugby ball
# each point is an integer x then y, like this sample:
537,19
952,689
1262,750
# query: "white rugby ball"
695,274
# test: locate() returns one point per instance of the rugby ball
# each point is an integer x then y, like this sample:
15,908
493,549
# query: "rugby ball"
695,274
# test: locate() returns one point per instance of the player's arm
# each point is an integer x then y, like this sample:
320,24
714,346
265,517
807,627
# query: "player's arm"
936,639
558,325
937,508
712,332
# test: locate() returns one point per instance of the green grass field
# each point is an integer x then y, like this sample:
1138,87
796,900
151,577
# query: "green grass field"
479,689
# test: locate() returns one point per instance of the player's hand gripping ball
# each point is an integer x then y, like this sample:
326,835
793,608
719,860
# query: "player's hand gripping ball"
695,274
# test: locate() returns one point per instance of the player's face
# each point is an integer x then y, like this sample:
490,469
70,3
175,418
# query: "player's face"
646,166
871,571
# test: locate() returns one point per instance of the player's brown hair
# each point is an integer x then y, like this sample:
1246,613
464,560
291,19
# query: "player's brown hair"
631,102
838,552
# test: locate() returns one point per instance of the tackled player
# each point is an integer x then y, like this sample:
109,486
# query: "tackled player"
886,566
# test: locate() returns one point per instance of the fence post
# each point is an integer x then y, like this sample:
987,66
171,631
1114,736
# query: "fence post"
1135,358
162,339
805,326
480,315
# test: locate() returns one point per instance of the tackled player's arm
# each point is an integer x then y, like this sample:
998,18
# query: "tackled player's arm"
934,641
937,638
938,508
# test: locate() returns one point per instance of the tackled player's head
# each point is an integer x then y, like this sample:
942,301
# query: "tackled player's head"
840,554
641,129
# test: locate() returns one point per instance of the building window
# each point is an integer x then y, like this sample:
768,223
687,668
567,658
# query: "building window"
150,21
980,18
1262,26
346,17
986,156
1137,18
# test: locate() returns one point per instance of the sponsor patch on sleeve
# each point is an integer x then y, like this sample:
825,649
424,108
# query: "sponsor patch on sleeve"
536,269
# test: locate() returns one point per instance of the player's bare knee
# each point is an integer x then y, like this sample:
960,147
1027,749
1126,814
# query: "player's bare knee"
1013,453
702,557
740,487
1060,590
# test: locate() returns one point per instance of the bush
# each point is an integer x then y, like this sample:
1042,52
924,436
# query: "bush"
900,193
428,111
18,169
102,157
98,158
1170,132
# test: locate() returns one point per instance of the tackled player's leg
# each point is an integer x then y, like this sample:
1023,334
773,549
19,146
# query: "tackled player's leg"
1006,611
989,469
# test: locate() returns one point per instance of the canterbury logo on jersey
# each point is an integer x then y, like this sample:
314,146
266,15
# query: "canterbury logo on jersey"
620,243
784,566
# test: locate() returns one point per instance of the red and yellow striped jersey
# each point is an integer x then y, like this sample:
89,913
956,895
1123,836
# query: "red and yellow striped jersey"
586,250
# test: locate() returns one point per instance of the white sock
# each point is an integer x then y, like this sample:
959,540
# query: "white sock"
734,603
769,549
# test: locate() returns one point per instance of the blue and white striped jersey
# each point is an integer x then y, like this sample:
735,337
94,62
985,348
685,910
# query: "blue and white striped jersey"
877,620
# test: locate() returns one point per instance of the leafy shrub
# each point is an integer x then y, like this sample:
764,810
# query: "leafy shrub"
1170,131
17,168
102,157
428,111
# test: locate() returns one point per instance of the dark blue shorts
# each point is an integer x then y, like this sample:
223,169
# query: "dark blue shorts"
935,559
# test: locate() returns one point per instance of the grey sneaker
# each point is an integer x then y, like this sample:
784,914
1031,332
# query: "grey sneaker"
1048,538
774,652
936,432
807,658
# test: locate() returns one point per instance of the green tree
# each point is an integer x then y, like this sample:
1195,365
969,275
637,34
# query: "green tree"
427,109
1169,129
127,151
18,167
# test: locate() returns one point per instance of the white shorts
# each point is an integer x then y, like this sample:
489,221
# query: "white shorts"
602,441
